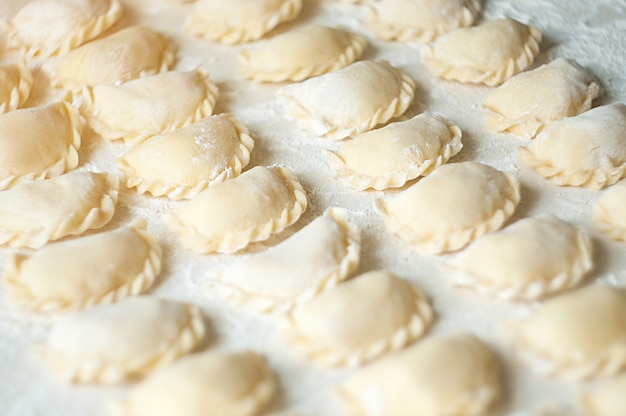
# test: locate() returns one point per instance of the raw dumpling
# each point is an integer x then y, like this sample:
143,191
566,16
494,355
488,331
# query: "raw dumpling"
236,21
510,264
300,54
420,20
609,215
489,53
16,81
33,213
38,143
585,150
230,215
100,268
446,375
125,55
151,105
392,155
349,101
525,104
182,163
313,260
213,383
53,27
123,341
452,206
359,320
577,335
605,399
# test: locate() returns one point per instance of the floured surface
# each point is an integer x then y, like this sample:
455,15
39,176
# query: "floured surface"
590,32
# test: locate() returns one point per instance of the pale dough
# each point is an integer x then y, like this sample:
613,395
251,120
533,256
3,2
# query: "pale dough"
16,81
609,215
605,399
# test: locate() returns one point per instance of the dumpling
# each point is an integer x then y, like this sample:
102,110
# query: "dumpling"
236,21
122,341
511,265
528,102
420,20
38,143
452,206
16,81
489,53
125,55
446,375
300,54
349,101
151,105
609,215
33,213
586,150
313,260
214,383
100,268
577,335
359,320
230,215
604,399
53,27
390,156
181,163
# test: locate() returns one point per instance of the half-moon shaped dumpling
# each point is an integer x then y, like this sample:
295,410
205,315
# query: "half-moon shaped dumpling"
182,163
526,103
124,340
232,214
359,320
151,105
455,204
390,156
510,264
349,101
125,55
577,335
236,21
606,398
16,81
212,383
100,268
585,150
446,375
609,215
300,54
489,53
313,260
420,20
53,27
33,213
38,143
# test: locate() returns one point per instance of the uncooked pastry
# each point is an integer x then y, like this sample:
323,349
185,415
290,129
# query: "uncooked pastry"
604,399
16,81
609,215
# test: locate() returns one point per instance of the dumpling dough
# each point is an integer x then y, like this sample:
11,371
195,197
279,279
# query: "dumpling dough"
38,143
605,399
236,21
587,150
349,101
390,156
446,375
100,268
359,320
577,335
33,213
151,105
510,264
53,27
452,206
420,20
489,53
182,163
230,215
16,82
212,383
313,260
301,53
609,215
125,55
122,341
525,104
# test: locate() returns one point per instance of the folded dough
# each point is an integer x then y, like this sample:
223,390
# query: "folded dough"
16,81
604,399
609,215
